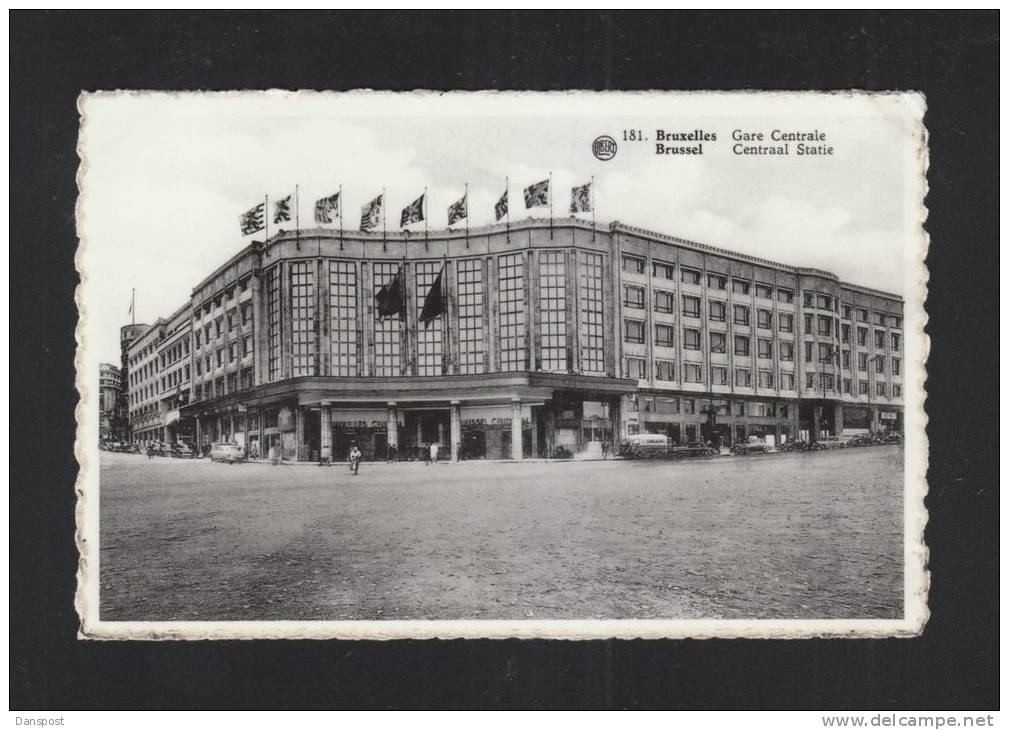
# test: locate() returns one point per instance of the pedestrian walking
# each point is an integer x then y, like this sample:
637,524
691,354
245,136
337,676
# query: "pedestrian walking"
606,448
433,452
355,459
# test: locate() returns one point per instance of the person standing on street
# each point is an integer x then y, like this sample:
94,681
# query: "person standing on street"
355,459
433,455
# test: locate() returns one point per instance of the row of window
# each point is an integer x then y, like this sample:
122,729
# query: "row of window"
719,282
225,323
226,384
634,298
221,299
223,355
176,377
175,353
672,405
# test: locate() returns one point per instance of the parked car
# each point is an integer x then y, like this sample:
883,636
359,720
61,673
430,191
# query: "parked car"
645,446
828,442
793,445
227,452
183,451
692,448
753,445
156,448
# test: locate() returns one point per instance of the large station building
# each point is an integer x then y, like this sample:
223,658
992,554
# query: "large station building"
542,335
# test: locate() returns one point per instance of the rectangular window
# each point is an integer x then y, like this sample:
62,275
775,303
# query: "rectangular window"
881,389
272,323
863,387
863,315
824,302
663,271
664,301
895,365
343,332
232,352
846,386
741,315
634,297
880,364
512,312
786,350
863,362
825,353
787,380
764,319
765,379
763,291
692,372
846,359
634,265
879,318
691,307
740,287
719,375
664,335
634,331
220,357
635,367
246,315
689,276
810,380
469,285
716,311
846,333
553,311
785,296
716,281
807,299
429,334
232,382
231,321
691,339
895,342
863,337
896,390
786,322
196,337
824,326
689,408
387,336
247,378
303,328
717,342
199,368
807,326
743,378
808,351
880,339
895,323
742,345
846,311
217,326
764,349
665,370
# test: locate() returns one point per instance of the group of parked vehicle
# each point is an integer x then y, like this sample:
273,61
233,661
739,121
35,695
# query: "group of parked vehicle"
230,453
657,446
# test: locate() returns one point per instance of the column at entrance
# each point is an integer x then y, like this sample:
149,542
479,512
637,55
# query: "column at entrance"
838,419
392,430
299,434
325,433
875,419
455,430
199,436
517,430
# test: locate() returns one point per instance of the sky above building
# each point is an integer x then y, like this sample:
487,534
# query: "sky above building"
165,177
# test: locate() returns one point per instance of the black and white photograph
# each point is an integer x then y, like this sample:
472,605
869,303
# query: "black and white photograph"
406,365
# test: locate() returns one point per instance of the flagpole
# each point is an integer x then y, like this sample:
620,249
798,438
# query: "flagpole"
423,210
550,197
133,306
339,212
466,198
508,214
297,219
592,189
384,232
266,216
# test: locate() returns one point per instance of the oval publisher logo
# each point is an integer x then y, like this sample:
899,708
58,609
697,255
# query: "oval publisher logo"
604,147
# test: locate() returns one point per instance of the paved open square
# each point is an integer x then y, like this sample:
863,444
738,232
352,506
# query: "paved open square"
777,536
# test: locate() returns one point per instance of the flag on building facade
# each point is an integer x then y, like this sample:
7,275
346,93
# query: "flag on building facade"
252,220
581,198
390,297
413,213
538,194
434,303
282,210
371,214
501,206
327,209
457,211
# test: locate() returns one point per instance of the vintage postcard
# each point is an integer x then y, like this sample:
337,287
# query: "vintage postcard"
565,365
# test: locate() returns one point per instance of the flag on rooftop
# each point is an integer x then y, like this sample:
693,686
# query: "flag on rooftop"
252,220
457,211
282,210
581,198
413,213
327,209
538,194
501,206
371,214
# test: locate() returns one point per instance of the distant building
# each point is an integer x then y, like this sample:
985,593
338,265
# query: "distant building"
127,335
539,335
109,388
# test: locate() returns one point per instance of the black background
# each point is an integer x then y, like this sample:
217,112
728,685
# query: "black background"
950,57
